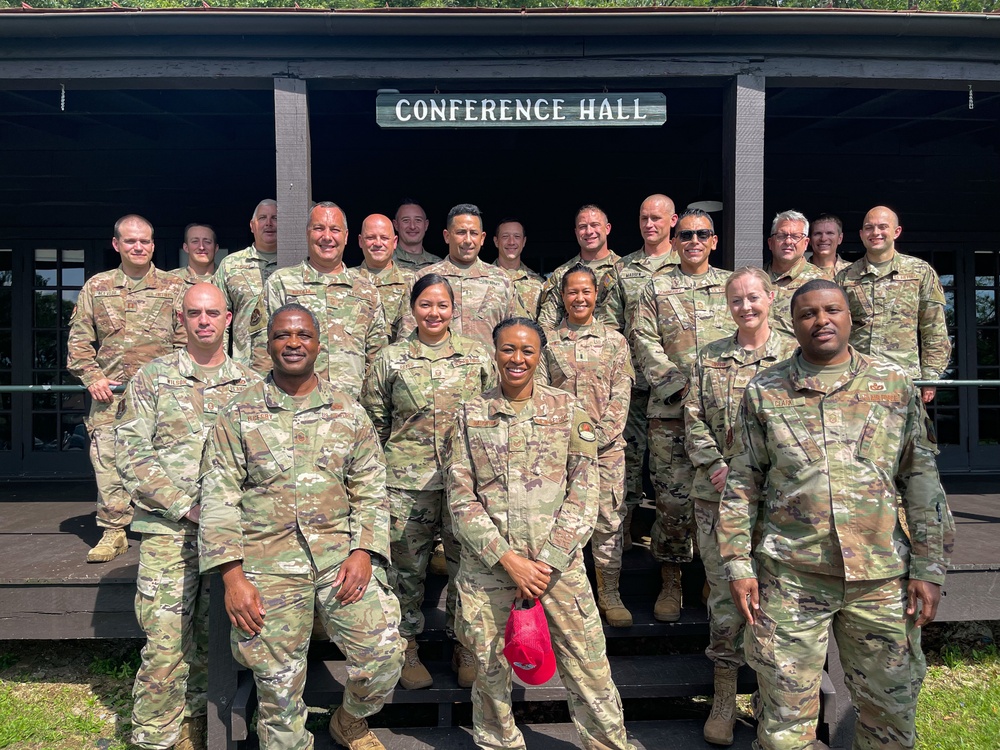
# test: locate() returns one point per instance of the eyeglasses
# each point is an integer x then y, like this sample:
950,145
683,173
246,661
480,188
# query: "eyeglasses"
686,235
793,237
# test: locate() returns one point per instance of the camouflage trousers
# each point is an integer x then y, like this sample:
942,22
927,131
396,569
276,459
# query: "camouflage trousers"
879,650
606,541
635,434
114,506
725,623
416,516
578,643
171,606
367,632
672,535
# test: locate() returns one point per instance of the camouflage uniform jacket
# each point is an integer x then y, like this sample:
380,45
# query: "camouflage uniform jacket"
414,262
163,423
527,289
893,307
483,297
292,488
593,364
784,287
118,325
830,272
827,472
412,396
550,304
527,481
191,278
712,405
676,316
352,325
393,285
241,277
632,273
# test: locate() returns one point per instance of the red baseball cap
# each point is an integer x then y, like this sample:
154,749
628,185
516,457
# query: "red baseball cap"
528,645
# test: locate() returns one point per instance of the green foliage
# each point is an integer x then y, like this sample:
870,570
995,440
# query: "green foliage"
119,668
7,660
960,702
41,722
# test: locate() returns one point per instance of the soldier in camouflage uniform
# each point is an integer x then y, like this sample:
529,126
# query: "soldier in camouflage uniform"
724,368
201,246
830,443
347,305
411,224
412,395
592,229
593,363
164,420
897,304
826,234
122,319
678,313
296,518
656,218
377,241
789,268
510,240
242,275
523,489
483,294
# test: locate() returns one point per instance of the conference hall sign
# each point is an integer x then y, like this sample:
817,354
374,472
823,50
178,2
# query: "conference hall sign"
643,109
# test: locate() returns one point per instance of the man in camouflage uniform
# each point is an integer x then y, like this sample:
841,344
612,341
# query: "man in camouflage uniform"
678,312
378,241
164,420
897,304
201,246
656,218
123,319
347,305
242,275
592,229
483,294
831,443
411,224
826,236
510,240
789,268
295,516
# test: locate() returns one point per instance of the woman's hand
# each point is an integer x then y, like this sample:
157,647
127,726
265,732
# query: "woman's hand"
532,577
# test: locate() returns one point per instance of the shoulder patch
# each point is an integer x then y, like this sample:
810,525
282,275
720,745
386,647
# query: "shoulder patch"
255,317
586,432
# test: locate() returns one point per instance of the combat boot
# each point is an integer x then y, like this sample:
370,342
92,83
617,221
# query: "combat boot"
609,602
463,663
627,528
112,544
192,736
668,603
719,727
353,733
414,675
438,564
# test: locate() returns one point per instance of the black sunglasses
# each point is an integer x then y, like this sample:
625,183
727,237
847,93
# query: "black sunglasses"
686,235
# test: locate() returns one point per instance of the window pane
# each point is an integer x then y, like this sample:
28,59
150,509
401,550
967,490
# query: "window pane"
72,268
6,431
986,269
46,350
74,434
989,426
69,297
44,432
45,309
45,267
6,359
6,266
986,309
947,428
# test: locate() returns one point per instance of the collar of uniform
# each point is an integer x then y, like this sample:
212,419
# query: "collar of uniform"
519,273
275,398
453,346
867,267
450,267
229,372
311,276
656,262
801,381
791,273
680,280
255,254
596,329
392,274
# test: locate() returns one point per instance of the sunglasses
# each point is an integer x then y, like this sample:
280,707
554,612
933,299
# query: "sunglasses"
686,235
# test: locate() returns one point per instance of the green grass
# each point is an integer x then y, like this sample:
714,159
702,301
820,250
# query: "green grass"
43,721
960,702
118,667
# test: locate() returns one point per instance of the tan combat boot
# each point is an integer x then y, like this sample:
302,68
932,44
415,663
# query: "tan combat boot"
668,603
414,675
719,727
353,733
192,736
627,528
112,544
609,602
463,663
438,564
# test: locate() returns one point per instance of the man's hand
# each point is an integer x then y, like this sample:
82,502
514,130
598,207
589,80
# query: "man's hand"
353,577
746,595
100,390
243,602
929,595
927,393
532,577
718,478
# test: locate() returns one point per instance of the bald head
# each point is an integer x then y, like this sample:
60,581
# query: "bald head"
879,232
377,241
205,318
656,217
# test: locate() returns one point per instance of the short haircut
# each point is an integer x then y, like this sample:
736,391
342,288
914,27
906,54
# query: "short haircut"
758,273
590,207
131,217
578,268
431,279
791,216
697,212
815,285
519,321
461,210
509,220
829,217
291,307
410,202
265,202
325,204
194,224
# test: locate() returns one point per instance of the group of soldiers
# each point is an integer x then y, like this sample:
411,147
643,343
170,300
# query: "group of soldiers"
250,465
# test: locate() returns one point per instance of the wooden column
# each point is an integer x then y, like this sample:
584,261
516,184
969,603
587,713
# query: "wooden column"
294,173
743,172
